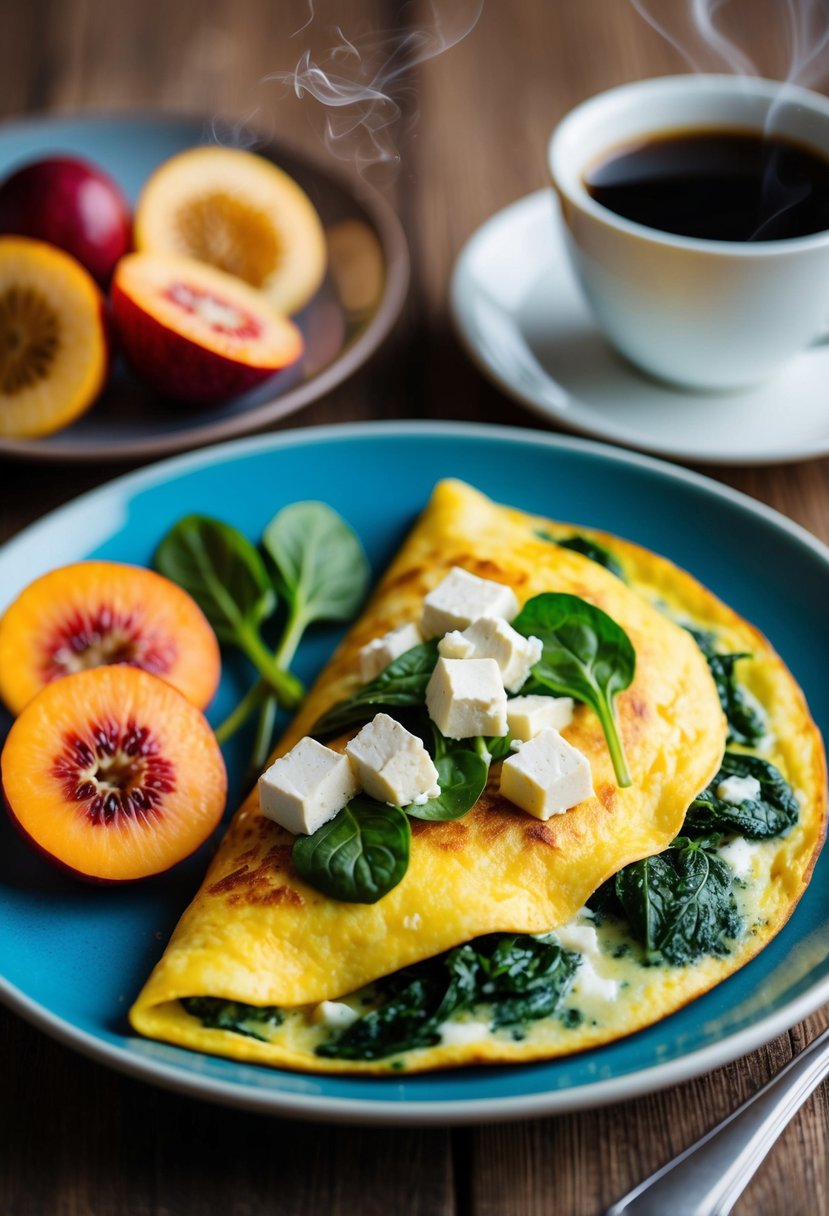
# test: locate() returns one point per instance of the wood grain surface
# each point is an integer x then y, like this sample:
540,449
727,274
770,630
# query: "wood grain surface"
79,1140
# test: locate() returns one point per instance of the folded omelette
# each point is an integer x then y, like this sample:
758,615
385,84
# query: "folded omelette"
511,938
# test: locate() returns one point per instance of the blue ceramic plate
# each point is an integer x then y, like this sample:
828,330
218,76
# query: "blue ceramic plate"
130,422
74,957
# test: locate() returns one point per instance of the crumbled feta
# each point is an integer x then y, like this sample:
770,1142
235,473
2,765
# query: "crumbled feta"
335,1015
461,598
392,764
737,790
528,716
307,787
740,856
582,938
589,983
465,697
494,638
461,1034
376,655
412,922
547,776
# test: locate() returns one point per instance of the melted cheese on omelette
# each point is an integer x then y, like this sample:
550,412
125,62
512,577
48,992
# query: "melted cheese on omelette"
256,934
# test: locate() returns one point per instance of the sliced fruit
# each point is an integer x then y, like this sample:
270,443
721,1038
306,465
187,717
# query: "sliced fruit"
72,204
95,613
113,774
196,333
53,340
238,212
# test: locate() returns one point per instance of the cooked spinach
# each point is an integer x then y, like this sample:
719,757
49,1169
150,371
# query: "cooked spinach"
680,903
358,855
586,655
519,979
218,1014
401,685
587,548
774,810
745,724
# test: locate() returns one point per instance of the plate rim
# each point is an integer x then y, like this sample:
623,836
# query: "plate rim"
430,1112
461,286
397,263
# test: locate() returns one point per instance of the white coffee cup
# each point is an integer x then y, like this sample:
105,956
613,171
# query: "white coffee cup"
701,313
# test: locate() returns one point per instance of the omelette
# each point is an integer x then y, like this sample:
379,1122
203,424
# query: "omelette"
511,938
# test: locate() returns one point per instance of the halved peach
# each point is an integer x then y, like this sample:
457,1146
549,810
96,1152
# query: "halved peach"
238,212
53,341
113,774
196,333
93,613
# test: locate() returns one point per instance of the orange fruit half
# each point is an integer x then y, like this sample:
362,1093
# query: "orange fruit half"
238,212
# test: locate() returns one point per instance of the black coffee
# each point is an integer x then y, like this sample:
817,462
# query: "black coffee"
721,186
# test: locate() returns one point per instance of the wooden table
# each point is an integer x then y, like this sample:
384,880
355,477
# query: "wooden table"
79,1140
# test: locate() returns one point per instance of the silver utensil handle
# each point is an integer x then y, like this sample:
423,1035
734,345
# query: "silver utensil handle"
709,1177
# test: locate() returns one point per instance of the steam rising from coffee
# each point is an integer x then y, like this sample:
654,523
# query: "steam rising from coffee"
363,82
804,29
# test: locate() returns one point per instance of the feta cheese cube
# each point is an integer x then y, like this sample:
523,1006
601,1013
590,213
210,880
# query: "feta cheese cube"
547,776
463,597
528,716
739,854
736,790
494,638
307,787
392,764
335,1014
465,697
376,655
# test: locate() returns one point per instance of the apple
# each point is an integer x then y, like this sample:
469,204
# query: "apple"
72,204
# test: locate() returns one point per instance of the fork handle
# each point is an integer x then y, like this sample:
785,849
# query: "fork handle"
708,1178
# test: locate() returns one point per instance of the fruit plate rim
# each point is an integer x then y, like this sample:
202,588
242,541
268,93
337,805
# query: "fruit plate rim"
349,359
501,1093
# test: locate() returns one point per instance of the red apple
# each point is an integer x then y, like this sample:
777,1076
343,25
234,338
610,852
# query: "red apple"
72,204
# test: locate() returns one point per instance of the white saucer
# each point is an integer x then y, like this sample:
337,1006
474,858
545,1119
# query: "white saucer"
520,312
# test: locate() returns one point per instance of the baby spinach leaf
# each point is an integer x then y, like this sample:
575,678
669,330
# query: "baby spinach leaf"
402,685
216,1013
588,548
227,578
222,571
462,776
586,655
680,903
518,977
359,855
498,746
322,571
745,724
774,810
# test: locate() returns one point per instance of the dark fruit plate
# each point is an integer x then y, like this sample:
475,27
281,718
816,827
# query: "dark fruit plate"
342,326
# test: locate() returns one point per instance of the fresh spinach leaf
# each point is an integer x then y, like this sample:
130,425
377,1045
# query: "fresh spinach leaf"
518,977
216,1013
680,903
586,655
588,548
774,810
359,855
402,685
745,724
322,570
227,578
462,776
